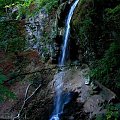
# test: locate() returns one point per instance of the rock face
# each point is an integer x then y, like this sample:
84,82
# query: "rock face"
89,28
34,28
95,32
45,32
58,27
86,100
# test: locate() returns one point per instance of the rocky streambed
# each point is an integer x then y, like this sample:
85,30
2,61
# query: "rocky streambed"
88,98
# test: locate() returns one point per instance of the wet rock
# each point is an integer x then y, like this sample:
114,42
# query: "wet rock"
62,13
71,118
58,39
92,104
86,100
73,111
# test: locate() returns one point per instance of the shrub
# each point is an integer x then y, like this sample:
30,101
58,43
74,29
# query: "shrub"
4,91
107,70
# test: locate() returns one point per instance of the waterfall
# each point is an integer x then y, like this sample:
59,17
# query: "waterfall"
59,100
67,31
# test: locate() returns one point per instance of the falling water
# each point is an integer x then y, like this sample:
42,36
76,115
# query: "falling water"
59,100
64,48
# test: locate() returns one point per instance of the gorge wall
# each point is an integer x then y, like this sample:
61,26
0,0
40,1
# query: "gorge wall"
94,38
93,60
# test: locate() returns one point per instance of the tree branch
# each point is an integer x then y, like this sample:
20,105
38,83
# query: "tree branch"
26,99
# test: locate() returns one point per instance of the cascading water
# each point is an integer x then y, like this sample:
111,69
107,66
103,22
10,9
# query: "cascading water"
59,100
64,48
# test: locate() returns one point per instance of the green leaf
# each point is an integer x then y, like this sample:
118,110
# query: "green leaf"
2,78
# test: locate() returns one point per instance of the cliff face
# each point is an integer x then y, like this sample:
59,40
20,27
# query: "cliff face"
94,38
95,31
95,26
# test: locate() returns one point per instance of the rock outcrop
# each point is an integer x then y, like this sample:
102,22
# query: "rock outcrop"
87,100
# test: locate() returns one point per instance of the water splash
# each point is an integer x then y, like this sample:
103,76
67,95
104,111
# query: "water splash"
58,89
59,100
55,117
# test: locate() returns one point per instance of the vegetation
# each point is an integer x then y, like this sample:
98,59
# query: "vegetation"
12,32
4,92
22,8
97,25
111,114
48,4
107,69
11,36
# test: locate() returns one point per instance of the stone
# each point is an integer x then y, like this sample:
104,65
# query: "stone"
71,118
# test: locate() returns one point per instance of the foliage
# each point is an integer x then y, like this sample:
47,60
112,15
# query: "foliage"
11,38
100,117
4,3
48,4
4,91
107,69
113,112
113,11
85,28
26,8
12,32
96,24
112,18
2,78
